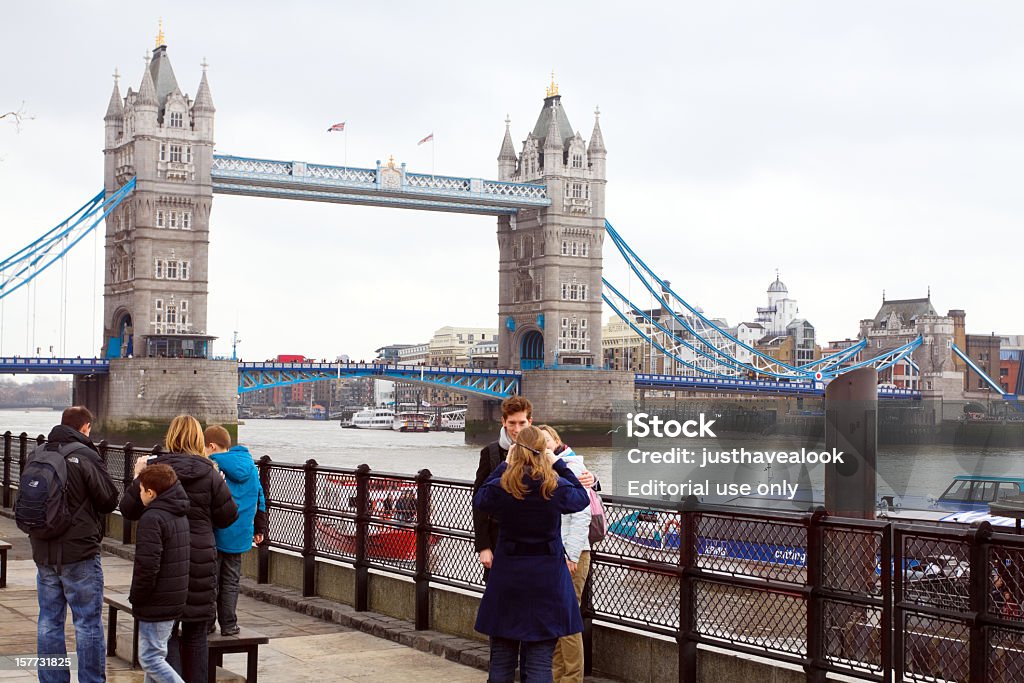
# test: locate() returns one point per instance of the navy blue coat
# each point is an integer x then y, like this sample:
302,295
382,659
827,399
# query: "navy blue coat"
529,594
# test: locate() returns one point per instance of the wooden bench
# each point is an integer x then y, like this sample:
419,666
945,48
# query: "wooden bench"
4,547
246,640
119,602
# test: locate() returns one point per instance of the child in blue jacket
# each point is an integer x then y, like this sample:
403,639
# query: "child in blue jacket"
243,479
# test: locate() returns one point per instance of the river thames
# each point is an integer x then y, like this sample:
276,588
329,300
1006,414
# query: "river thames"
923,471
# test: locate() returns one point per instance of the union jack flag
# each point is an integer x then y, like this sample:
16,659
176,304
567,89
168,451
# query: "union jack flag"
337,127
429,138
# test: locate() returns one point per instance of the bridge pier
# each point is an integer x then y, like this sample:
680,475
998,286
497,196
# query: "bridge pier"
138,399
581,404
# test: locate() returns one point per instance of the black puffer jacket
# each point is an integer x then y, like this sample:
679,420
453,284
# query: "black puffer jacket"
162,550
89,483
210,505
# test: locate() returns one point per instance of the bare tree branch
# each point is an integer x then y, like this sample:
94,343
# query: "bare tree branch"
17,116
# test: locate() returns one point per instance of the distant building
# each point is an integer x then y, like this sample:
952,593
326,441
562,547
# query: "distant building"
1011,355
780,311
900,321
483,355
449,347
389,355
414,354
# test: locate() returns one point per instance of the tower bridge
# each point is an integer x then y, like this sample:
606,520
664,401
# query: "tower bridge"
160,175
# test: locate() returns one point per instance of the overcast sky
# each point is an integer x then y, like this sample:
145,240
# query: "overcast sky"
857,147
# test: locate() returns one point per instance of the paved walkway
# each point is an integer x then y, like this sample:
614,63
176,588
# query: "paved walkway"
301,648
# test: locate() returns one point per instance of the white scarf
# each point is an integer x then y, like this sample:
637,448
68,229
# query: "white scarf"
503,440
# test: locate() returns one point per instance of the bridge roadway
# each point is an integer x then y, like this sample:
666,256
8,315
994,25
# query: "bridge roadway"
491,383
385,185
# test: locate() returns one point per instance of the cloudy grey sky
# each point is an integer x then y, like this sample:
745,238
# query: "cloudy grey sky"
855,146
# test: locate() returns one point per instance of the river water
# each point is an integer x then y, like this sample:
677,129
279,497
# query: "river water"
923,471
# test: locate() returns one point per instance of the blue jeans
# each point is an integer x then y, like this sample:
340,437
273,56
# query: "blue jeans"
153,637
80,585
533,657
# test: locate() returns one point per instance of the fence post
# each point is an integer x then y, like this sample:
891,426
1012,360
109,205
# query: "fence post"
101,448
886,627
815,613
263,550
587,612
362,525
423,529
127,478
22,451
7,469
309,531
687,565
979,596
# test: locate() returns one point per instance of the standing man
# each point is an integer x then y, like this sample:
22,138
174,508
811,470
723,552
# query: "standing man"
516,413
66,543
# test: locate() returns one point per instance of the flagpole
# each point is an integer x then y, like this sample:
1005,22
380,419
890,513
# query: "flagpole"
433,147
346,146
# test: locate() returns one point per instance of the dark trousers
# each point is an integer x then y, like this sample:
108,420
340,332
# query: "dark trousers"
188,652
533,658
229,574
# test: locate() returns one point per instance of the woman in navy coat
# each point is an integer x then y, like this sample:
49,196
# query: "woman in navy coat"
529,602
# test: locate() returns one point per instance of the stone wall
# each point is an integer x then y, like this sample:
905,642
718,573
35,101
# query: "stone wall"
140,396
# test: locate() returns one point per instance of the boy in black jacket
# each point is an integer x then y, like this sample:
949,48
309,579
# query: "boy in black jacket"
160,580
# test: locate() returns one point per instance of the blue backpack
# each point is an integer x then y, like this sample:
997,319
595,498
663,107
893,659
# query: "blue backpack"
41,510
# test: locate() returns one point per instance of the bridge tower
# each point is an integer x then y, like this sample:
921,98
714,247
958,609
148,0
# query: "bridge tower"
156,249
549,282
550,258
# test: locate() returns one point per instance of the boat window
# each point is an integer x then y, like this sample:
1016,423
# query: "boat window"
1007,490
958,490
984,491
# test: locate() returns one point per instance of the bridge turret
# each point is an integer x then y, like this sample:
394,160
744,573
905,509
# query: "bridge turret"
553,144
146,106
114,118
203,109
596,155
507,159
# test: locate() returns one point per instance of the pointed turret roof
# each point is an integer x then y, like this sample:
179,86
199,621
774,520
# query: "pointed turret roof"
552,112
596,139
508,150
553,137
147,91
163,75
115,109
204,100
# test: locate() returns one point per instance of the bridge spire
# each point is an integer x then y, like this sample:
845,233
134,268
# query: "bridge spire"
204,100
147,91
596,138
115,109
507,157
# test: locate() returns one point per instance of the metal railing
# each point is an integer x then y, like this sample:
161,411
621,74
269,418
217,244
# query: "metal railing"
818,592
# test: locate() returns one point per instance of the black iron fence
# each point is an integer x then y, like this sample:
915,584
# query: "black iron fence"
874,600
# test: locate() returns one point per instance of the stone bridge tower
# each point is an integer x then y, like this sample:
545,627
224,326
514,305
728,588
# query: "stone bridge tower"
549,284
155,285
154,293
549,304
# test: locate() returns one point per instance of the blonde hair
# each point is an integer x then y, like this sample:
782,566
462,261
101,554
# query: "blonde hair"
527,458
185,435
551,430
